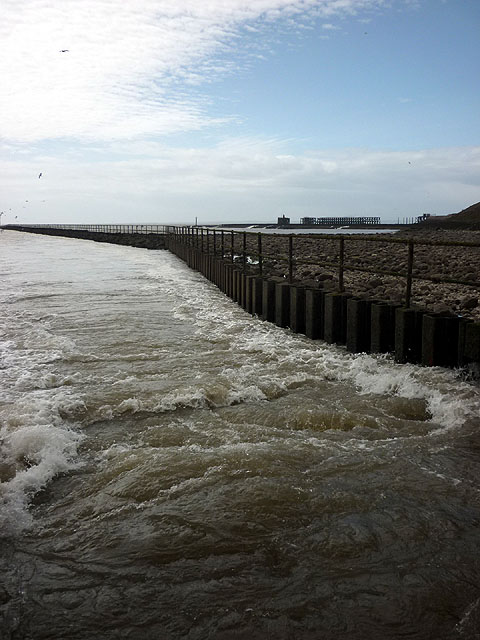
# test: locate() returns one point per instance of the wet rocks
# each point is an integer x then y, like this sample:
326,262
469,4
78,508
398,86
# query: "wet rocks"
469,303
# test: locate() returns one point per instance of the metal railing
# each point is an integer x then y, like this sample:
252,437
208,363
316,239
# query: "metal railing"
253,251
102,228
247,249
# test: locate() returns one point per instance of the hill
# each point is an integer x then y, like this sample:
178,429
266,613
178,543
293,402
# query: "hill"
468,218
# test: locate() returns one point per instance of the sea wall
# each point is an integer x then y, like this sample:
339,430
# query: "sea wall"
133,239
362,325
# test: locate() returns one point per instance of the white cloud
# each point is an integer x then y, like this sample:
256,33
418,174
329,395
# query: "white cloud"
90,119
132,68
241,179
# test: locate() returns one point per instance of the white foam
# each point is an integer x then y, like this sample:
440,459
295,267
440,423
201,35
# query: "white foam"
38,436
449,400
35,454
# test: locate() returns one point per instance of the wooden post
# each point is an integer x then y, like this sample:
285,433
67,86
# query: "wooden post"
244,251
260,261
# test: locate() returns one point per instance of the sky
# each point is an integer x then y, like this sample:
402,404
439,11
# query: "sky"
167,111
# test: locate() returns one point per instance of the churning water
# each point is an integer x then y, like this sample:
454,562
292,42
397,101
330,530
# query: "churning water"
173,468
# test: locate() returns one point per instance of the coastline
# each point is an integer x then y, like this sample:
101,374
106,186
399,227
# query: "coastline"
374,269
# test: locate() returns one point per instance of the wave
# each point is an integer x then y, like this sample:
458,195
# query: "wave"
35,446
235,360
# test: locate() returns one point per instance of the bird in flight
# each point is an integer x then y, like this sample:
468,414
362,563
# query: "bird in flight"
40,174
63,50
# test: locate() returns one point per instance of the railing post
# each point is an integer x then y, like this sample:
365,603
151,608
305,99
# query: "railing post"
244,252
214,244
233,246
223,245
341,264
260,259
290,258
208,241
408,289
201,239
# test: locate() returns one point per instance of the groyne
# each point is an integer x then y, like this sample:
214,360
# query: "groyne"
320,309
363,325
143,236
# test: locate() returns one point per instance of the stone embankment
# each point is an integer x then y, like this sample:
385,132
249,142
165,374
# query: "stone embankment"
141,240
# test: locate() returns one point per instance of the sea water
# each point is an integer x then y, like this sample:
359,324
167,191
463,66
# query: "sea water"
172,467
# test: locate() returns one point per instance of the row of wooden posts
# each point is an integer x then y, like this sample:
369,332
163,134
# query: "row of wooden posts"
223,244
361,325
412,335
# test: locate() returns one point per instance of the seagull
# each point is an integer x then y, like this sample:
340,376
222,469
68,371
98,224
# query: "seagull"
63,50
40,174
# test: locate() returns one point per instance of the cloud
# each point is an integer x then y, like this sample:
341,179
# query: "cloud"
130,69
240,179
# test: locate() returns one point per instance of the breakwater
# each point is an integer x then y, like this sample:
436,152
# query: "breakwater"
142,236
315,309
362,325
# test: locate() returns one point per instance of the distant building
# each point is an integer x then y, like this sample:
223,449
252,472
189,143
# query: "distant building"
283,220
423,217
340,222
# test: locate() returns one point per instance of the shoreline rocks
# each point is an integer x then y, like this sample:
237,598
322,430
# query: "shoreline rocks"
373,260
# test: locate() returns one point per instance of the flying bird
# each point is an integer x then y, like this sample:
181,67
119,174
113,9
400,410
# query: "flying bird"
40,174
63,50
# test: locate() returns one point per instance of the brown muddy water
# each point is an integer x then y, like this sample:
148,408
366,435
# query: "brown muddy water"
173,468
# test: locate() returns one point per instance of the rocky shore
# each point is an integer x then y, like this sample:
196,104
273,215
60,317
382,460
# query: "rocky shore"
373,260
